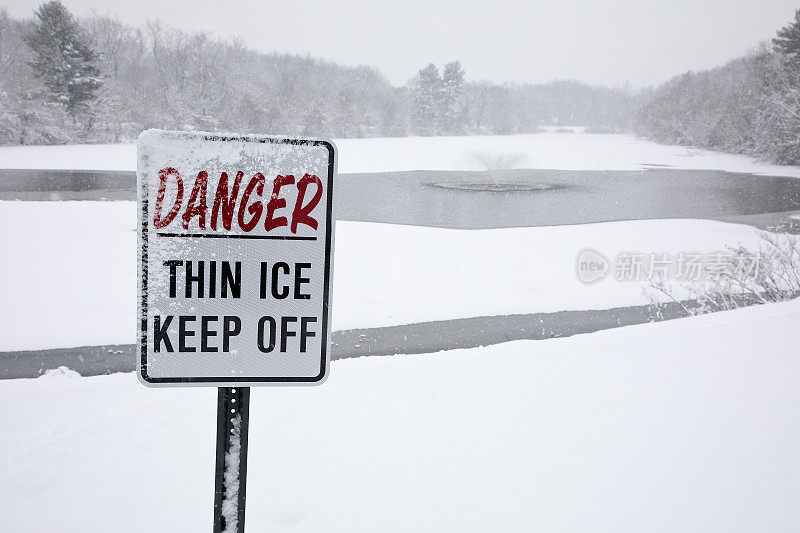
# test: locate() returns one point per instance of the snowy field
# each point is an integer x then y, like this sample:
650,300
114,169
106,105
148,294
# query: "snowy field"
687,425
570,151
72,275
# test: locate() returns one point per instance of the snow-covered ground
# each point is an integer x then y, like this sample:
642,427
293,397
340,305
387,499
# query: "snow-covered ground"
69,275
577,151
687,425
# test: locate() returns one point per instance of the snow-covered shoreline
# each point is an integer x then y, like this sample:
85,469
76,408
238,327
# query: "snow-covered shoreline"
71,278
568,151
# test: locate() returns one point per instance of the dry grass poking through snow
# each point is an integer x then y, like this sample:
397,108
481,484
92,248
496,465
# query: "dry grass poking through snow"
773,277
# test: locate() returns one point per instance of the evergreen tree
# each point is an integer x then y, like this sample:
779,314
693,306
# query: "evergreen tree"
428,101
452,106
788,40
63,57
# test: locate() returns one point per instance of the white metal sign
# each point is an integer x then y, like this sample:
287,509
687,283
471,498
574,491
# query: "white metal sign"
236,257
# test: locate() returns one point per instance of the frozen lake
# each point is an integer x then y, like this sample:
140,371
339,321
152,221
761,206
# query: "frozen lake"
487,199
539,197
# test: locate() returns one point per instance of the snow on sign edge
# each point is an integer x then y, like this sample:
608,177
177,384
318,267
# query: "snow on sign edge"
154,135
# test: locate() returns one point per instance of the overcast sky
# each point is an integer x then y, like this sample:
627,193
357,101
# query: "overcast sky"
609,42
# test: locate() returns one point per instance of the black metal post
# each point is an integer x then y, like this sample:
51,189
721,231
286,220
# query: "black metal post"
233,418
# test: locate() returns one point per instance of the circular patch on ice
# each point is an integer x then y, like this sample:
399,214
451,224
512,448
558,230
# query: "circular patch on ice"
495,186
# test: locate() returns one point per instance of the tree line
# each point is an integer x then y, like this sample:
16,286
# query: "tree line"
95,79
749,106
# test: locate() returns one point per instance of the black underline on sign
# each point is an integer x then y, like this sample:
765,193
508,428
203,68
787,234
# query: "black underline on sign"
234,236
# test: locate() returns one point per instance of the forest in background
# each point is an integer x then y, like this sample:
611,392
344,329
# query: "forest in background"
94,79
750,105
129,79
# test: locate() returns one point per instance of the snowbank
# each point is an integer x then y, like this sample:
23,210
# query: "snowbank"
69,273
688,425
577,151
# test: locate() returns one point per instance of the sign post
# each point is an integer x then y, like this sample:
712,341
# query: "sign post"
230,474
235,274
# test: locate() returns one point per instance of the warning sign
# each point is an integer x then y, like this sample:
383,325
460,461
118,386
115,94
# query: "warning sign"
236,256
